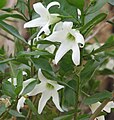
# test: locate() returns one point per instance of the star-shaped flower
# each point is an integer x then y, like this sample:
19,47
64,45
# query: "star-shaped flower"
49,89
71,39
107,108
45,20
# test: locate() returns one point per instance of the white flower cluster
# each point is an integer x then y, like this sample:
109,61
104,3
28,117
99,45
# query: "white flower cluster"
63,32
70,39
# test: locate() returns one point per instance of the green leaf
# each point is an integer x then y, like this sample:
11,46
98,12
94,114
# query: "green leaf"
2,109
106,72
19,78
111,2
69,94
83,117
97,5
20,6
97,97
8,89
12,30
77,3
3,3
35,53
6,60
29,87
3,67
90,25
18,16
42,63
15,113
66,64
89,70
64,117
19,82
108,46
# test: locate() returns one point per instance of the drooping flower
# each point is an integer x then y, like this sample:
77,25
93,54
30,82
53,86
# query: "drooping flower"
107,108
45,20
49,89
71,39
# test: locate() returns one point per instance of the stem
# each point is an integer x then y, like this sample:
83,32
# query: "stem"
77,99
96,113
12,71
29,115
29,10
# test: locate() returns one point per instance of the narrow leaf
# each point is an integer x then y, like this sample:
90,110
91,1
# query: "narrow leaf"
97,97
29,87
77,3
15,113
90,25
12,30
42,63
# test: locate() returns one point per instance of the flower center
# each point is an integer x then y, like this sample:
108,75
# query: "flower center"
49,86
70,37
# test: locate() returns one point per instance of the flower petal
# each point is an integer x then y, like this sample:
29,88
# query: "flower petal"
56,85
76,54
41,76
57,36
44,29
101,117
38,22
79,39
26,82
20,103
58,26
41,10
63,49
37,89
67,25
55,98
52,4
94,106
54,18
108,107
43,100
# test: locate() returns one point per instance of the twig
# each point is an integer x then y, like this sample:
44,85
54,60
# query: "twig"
98,29
7,37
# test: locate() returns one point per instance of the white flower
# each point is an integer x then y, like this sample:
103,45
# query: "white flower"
107,108
48,89
45,20
70,39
